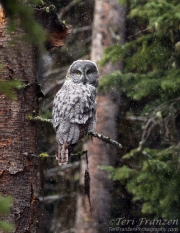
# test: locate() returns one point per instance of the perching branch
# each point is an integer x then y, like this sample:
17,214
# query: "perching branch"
105,139
93,134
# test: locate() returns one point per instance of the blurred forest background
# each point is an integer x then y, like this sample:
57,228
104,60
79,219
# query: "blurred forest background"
144,174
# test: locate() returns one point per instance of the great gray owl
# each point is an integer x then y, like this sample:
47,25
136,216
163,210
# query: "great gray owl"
74,107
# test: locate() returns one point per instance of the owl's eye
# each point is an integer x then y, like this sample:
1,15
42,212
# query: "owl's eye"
88,72
78,72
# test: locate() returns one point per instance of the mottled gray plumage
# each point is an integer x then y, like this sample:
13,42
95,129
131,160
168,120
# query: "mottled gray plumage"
74,107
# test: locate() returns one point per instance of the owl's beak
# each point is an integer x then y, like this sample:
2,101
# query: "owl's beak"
84,80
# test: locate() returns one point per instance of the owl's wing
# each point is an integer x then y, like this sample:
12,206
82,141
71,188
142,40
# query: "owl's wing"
92,123
73,105
62,104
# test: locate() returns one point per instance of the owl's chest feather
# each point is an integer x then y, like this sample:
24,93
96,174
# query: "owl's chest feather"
75,103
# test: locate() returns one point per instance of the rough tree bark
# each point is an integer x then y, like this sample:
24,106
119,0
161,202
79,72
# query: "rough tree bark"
109,28
18,169
17,134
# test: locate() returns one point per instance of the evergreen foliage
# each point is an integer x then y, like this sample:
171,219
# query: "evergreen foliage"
5,203
151,57
7,87
17,11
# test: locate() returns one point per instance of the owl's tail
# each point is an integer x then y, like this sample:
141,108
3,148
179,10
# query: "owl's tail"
62,154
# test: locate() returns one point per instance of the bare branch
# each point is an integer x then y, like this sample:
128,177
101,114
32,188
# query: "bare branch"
93,134
39,118
60,170
135,118
105,139
55,71
53,198
164,117
82,29
72,230
67,8
139,32
53,85
87,40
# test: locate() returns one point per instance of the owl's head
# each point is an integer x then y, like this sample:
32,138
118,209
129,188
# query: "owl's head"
84,71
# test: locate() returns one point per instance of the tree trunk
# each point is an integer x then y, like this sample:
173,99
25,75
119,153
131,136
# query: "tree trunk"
18,166
18,169
109,28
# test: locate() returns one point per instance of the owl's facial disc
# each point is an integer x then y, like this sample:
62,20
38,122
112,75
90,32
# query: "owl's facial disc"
84,72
